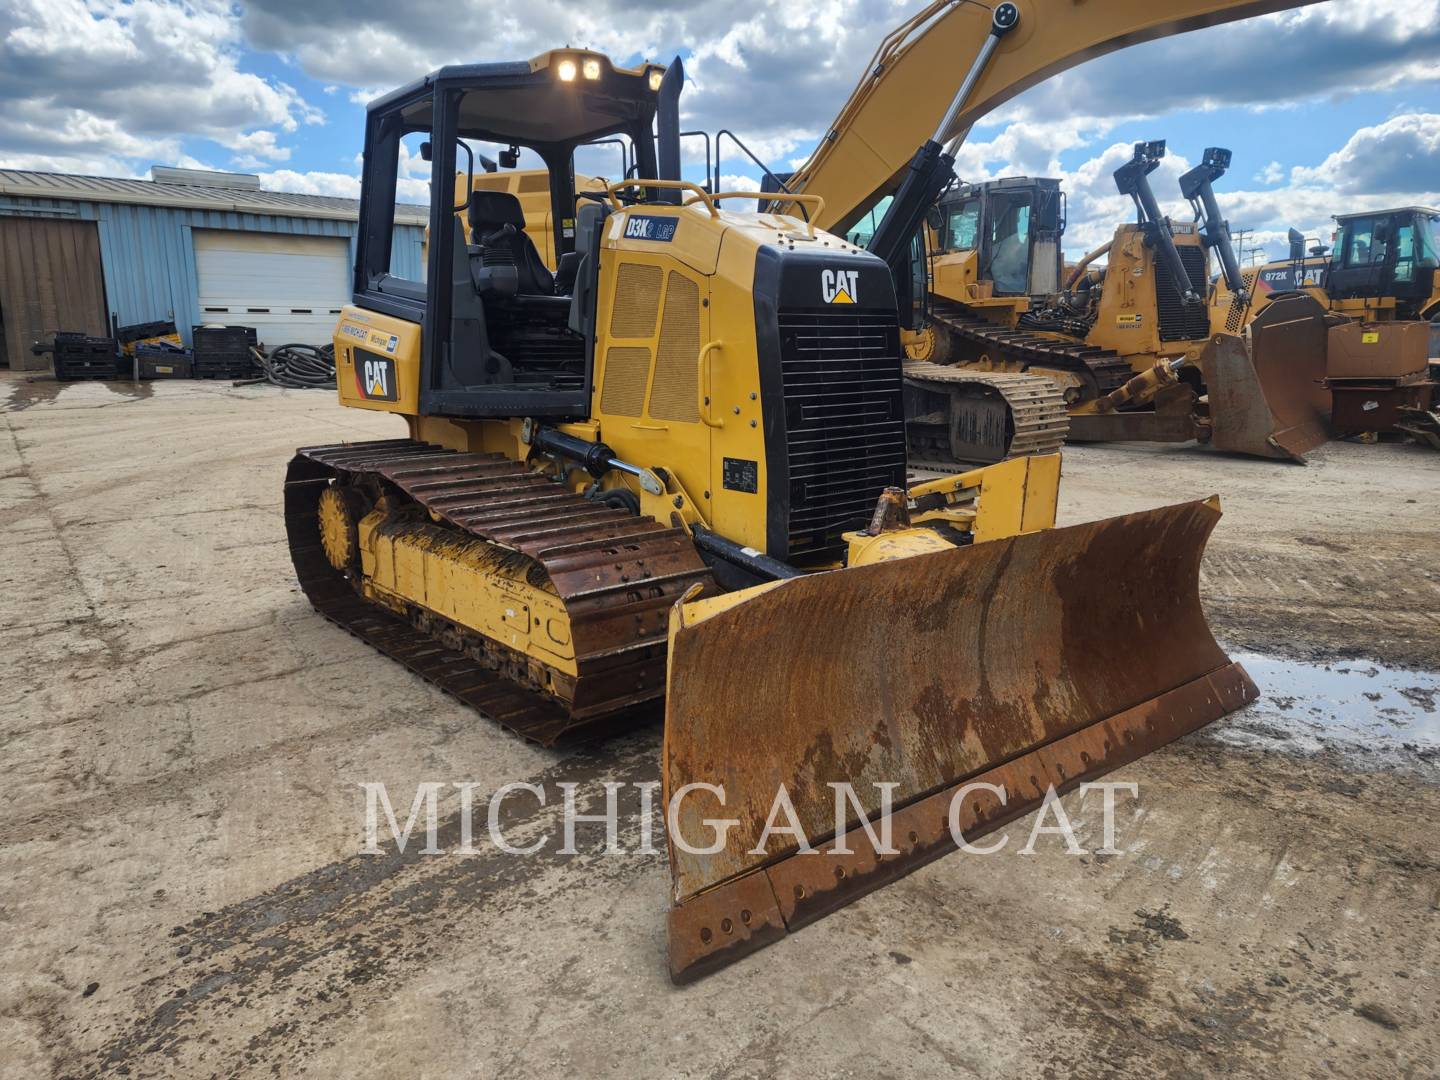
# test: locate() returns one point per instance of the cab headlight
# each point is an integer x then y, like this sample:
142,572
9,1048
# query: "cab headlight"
566,70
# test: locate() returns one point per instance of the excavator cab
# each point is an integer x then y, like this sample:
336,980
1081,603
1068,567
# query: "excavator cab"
1013,227
1386,258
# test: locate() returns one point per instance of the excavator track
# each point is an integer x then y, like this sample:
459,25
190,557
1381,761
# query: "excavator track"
1102,370
618,575
1035,404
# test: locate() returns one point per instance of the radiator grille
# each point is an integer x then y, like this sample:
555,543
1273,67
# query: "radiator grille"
637,301
673,393
844,421
1178,322
626,370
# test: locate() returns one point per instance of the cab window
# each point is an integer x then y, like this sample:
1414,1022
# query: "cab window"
1405,253
1009,245
864,229
1428,251
1361,247
962,225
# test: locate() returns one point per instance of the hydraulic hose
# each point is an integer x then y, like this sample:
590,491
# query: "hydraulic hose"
295,367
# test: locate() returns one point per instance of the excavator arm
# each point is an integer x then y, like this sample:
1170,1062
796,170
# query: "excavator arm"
911,91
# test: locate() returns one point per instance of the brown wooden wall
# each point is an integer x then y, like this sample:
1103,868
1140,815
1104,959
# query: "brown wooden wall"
50,280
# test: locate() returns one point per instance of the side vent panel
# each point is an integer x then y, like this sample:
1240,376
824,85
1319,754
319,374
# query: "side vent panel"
626,370
637,301
672,397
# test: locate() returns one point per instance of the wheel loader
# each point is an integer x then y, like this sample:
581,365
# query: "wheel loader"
673,474
1380,292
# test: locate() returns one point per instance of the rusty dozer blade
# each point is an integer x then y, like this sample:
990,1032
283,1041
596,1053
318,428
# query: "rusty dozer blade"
1045,659
1270,401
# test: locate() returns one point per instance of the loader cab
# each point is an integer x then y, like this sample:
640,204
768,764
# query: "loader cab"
1015,226
502,334
1388,254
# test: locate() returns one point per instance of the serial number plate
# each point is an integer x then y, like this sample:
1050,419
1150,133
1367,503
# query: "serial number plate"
740,474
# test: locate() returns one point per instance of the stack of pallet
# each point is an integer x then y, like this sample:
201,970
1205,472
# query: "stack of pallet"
223,352
79,356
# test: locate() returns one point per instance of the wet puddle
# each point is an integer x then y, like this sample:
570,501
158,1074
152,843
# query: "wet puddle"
20,393
1349,705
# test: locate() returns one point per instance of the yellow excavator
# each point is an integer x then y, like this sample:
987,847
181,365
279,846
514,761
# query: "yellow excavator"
681,476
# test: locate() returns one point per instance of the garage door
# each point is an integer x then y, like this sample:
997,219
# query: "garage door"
49,280
290,288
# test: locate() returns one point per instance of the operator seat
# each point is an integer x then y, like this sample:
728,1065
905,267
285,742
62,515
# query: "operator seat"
498,225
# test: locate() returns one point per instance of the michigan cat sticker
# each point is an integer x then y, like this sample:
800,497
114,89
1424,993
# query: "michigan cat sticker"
375,377
840,286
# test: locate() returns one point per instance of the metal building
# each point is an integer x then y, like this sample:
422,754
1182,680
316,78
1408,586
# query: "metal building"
90,253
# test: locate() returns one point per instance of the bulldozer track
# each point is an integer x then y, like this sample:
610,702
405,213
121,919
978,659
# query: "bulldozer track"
618,575
1102,369
1036,404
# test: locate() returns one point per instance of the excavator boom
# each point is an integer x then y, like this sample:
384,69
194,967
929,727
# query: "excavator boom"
906,94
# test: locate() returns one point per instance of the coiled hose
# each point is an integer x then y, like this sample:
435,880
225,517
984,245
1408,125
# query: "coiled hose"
296,367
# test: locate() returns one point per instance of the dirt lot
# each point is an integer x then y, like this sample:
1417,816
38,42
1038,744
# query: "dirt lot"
182,893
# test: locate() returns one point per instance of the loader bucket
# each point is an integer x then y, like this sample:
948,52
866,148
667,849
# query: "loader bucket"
1271,401
1044,659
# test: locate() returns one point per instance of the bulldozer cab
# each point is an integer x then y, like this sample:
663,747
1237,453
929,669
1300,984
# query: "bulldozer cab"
1388,254
503,335
1014,226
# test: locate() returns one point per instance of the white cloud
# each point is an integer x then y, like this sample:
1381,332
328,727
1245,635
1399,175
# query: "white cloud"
341,185
1400,155
1272,173
130,80
256,146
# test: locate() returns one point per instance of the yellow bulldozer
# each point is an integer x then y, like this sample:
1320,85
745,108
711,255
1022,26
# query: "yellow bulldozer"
676,472
1010,362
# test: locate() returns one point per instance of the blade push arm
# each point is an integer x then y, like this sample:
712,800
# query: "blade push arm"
1133,179
1195,185
907,90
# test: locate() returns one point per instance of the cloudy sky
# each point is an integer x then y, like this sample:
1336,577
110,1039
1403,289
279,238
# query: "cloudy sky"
1328,108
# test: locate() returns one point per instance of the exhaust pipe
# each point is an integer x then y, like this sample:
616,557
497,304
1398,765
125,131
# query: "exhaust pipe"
667,130
1297,245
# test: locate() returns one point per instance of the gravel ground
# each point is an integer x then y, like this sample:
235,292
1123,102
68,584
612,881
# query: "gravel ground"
182,892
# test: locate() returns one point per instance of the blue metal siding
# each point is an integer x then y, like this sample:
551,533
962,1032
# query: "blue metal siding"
407,258
147,253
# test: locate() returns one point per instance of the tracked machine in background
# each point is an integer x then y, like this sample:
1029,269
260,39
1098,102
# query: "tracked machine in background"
869,153
1126,351
683,477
